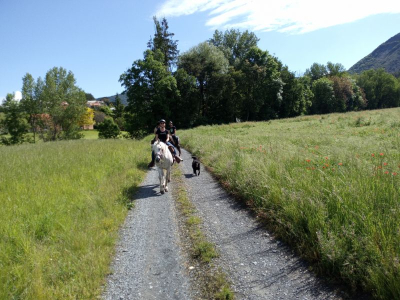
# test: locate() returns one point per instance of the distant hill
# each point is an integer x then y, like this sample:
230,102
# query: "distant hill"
386,56
124,98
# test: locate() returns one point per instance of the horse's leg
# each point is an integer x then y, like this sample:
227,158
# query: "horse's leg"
161,177
166,179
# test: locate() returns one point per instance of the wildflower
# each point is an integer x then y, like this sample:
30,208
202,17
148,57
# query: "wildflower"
327,157
394,174
372,154
386,172
381,154
340,164
308,160
385,164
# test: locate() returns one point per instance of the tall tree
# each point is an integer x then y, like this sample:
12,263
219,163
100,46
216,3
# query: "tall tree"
234,44
324,100
262,85
316,71
118,107
382,89
335,69
64,102
30,101
296,95
151,90
163,41
203,62
15,122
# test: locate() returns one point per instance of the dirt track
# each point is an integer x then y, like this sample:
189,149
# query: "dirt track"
150,264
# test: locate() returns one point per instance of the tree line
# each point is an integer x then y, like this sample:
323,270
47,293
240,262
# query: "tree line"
229,78
56,109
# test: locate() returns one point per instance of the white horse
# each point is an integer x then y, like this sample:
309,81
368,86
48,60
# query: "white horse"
164,160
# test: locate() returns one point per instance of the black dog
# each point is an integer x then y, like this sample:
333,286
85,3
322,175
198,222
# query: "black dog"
195,165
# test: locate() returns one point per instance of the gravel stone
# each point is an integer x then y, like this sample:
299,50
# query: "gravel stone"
148,263
258,266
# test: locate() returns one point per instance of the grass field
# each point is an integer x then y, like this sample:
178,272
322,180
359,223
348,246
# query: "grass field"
326,184
61,206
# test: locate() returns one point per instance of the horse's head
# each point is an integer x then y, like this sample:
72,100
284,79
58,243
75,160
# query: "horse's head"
158,151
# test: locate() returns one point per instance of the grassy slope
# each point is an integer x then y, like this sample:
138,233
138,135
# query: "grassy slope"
328,185
61,206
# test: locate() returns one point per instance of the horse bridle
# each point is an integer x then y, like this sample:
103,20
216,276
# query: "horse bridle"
159,156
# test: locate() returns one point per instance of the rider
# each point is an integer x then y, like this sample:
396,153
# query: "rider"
172,132
162,134
152,163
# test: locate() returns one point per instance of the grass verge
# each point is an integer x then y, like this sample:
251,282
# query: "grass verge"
214,283
328,185
62,205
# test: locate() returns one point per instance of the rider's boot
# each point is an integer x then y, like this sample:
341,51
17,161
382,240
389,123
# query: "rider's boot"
178,159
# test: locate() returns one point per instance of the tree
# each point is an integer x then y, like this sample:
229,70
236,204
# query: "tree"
324,96
151,92
108,129
163,42
203,62
316,71
118,107
335,69
296,95
99,117
87,118
382,89
64,102
15,122
261,84
89,97
30,102
234,44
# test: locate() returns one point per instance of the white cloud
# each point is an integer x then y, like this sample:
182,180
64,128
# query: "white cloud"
17,95
293,16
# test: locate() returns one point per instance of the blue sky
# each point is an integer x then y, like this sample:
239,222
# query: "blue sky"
98,39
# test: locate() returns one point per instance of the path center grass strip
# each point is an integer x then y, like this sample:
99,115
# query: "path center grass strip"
213,281
329,185
61,206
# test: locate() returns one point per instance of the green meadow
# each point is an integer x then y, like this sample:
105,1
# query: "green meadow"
61,206
326,184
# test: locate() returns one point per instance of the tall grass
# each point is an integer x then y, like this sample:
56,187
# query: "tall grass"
328,185
61,206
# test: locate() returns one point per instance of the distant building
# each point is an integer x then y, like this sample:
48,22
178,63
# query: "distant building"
94,103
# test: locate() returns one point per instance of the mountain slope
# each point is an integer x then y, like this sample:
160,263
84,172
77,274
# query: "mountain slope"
386,56
123,97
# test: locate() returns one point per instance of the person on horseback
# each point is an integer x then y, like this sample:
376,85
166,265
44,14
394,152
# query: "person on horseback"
152,163
175,138
163,135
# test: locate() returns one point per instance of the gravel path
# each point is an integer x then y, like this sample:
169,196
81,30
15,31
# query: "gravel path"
259,266
148,262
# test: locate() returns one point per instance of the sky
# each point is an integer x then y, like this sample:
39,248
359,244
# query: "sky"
98,40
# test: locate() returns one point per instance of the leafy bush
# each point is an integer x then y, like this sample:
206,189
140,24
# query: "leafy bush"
108,129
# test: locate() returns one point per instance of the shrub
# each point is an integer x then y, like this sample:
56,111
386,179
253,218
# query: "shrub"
108,129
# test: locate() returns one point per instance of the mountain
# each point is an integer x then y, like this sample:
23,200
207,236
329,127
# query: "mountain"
124,99
386,56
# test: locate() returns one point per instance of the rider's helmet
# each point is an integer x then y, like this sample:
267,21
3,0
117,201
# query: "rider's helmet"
161,121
